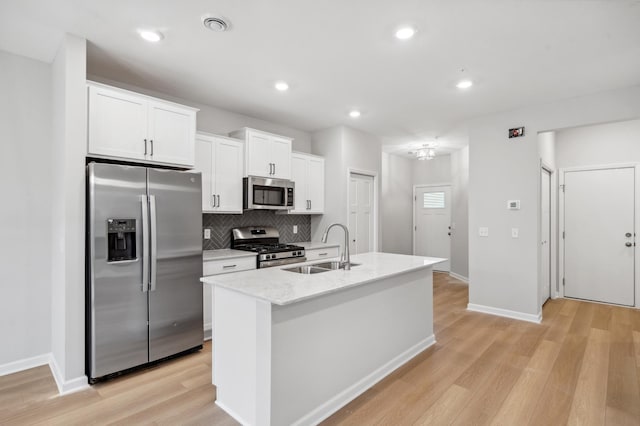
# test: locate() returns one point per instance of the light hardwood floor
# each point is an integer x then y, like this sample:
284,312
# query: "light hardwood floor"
580,367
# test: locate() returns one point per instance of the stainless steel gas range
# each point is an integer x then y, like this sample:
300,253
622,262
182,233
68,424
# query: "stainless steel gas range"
265,241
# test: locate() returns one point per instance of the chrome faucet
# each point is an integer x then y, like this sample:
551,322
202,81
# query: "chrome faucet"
345,259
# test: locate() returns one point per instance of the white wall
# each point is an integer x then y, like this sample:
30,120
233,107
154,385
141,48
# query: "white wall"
460,212
25,185
547,148
503,271
69,141
343,148
598,144
433,171
220,121
396,206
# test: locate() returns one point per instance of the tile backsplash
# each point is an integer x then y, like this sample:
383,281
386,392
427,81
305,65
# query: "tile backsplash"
222,224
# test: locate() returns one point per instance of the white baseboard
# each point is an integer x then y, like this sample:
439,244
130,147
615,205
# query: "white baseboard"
343,398
67,386
506,313
24,364
231,413
208,331
459,277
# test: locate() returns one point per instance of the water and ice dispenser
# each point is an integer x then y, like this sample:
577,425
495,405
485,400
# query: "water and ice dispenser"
121,239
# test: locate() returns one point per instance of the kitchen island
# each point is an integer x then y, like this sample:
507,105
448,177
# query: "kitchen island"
291,348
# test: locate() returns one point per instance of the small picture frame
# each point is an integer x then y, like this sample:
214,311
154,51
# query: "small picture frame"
516,132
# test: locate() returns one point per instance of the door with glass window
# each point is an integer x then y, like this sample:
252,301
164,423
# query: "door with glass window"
432,232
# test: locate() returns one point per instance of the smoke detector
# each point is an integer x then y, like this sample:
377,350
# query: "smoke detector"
215,23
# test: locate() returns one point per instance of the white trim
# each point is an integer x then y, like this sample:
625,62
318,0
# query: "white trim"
231,413
413,213
459,277
553,227
24,364
208,331
66,387
376,182
505,313
343,398
561,222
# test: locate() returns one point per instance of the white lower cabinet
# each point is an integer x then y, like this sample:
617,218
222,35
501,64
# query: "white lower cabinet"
220,160
322,253
217,267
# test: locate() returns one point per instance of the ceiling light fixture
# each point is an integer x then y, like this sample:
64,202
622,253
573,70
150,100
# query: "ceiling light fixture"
405,33
354,114
464,84
281,86
151,36
427,151
215,23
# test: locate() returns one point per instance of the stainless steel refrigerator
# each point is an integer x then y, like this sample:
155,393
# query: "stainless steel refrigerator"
144,262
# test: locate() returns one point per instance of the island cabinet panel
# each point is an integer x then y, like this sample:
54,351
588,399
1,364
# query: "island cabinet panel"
297,363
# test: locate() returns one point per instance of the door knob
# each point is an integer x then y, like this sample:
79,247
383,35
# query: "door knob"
628,235
628,244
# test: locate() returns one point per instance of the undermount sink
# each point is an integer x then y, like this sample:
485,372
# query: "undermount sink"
332,265
317,268
306,270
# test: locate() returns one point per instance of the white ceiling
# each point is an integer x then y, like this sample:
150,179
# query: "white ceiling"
337,55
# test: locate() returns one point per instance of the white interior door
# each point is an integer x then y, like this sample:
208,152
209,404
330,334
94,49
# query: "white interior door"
599,235
432,231
545,235
361,213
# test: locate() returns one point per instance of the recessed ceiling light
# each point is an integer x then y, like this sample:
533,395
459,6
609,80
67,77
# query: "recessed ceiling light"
282,86
354,114
464,84
405,33
215,23
151,36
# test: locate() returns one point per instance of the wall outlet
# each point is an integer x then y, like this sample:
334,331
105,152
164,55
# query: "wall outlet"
483,231
207,234
295,229
514,232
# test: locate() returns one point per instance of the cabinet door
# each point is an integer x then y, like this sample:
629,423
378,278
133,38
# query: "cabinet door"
315,184
171,134
227,162
203,158
299,176
281,157
258,159
117,124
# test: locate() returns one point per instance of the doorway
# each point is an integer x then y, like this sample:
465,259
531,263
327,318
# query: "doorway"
432,223
361,213
598,233
545,235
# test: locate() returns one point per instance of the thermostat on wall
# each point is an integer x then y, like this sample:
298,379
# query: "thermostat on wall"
513,204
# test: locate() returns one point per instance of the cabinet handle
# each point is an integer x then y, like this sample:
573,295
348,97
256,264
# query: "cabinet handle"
322,254
145,147
274,168
271,169
213,200
228,266
151,147
218,196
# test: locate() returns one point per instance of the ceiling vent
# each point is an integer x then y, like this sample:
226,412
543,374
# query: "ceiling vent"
215,23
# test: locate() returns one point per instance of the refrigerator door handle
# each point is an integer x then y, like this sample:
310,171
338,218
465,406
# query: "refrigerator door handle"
144,202
153,241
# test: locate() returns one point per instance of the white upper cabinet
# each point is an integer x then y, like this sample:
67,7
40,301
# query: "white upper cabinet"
131,126
307,171
220,160
266,154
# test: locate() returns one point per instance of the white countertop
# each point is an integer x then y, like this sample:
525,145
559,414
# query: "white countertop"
313,245
283,287
222,254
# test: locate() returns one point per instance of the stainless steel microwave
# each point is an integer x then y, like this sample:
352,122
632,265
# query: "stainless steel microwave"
267,193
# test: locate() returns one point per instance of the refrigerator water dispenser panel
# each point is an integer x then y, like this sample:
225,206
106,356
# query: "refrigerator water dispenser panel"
121,239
